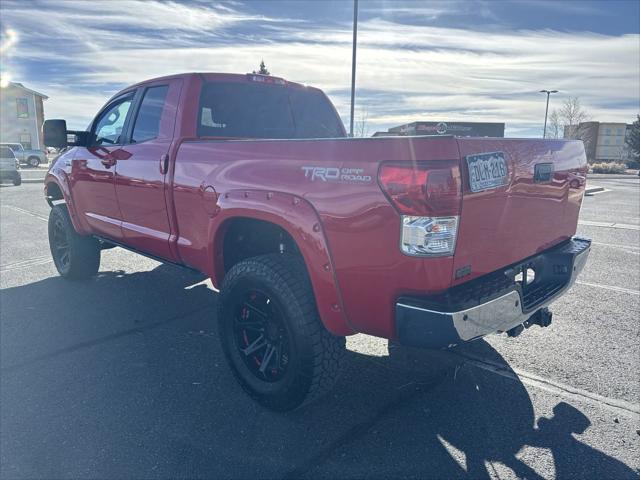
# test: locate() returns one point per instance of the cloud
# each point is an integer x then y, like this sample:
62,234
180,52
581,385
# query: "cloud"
405,72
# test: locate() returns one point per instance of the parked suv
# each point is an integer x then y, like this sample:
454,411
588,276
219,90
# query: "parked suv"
9,167
30,157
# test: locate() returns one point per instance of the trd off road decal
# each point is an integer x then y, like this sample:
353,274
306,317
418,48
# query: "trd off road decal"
335,174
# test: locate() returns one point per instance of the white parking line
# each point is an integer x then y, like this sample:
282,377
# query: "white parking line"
32,262
609,287
616,246
625,226
552,386
26,212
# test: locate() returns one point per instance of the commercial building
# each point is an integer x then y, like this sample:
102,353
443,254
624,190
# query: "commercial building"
460,129
22,115
603,141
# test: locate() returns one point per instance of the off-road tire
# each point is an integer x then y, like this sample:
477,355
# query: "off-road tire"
316,355
82,259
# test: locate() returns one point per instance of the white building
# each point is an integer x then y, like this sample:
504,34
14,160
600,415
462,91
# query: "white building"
21,116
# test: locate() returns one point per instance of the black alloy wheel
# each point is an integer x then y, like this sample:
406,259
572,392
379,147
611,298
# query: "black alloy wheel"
260,336
60,247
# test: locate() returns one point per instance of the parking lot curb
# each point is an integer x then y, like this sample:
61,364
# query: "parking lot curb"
33,180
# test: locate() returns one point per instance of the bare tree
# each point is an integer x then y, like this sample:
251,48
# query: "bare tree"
553,130
573,117
361,128
571,112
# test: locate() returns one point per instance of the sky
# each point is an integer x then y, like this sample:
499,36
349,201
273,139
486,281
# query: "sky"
454,60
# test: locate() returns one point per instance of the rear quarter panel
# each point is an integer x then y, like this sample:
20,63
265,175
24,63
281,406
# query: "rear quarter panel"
360,227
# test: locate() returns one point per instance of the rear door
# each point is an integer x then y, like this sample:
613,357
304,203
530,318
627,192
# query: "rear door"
93,169
142,172
519,197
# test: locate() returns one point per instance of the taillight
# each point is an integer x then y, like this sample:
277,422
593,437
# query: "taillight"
423,189
428,197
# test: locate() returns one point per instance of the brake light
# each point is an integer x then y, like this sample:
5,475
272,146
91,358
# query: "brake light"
428,196
422,189
256,77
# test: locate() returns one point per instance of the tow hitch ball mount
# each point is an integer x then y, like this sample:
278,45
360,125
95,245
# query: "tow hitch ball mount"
542,317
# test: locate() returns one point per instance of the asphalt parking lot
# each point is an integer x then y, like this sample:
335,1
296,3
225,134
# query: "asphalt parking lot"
123,377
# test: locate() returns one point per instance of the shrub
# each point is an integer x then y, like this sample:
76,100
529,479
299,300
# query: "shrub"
608,168
635,164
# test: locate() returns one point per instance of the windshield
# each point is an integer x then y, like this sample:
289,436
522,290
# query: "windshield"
248,110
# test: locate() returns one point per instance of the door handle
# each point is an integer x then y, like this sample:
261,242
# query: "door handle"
164,163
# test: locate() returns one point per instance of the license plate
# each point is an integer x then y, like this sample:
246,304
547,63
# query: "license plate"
487,170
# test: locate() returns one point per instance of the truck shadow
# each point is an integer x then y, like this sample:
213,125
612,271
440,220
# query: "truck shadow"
123,376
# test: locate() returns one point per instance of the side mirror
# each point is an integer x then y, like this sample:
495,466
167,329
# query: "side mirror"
55,133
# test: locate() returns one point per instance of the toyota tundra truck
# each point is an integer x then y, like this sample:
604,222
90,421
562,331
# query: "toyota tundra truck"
309,235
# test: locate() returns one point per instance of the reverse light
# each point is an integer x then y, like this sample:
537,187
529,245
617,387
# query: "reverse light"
429,236
428,196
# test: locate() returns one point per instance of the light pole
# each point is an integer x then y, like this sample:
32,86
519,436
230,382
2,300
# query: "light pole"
546,112
353,63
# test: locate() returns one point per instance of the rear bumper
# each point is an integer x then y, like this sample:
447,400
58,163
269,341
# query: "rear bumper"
490,304
12,174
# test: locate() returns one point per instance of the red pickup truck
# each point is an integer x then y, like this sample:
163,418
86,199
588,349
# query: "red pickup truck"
311,236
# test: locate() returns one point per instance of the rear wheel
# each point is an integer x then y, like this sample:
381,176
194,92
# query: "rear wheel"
271,333
75,256
17,180
33,162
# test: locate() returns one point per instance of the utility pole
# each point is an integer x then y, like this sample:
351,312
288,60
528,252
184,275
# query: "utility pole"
353,63
546,112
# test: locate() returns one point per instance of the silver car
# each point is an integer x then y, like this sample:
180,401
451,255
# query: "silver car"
30,157
9,166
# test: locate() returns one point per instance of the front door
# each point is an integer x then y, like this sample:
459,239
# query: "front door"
93,170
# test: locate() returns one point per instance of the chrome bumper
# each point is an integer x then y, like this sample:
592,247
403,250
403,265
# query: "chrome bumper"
449,319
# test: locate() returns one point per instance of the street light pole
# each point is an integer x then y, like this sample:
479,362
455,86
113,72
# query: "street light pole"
353,63
546,112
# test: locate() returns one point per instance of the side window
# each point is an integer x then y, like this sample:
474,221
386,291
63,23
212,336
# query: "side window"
109,125
147,124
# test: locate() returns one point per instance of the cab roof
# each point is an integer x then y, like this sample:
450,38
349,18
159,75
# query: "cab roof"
219,77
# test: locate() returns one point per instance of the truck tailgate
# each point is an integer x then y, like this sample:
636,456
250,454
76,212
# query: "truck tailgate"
528,208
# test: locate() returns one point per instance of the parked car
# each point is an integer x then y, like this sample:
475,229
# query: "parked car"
29,157
9,166
311,236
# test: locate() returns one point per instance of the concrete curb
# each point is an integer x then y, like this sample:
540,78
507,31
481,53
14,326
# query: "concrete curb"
612,176
33,180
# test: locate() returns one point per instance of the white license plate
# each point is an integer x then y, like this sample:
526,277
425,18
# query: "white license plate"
487,170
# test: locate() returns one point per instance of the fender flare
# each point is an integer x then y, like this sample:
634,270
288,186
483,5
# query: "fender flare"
59,178
299,219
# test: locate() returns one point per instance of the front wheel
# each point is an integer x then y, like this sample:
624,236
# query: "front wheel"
17,180
75,256
33,162
271,333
